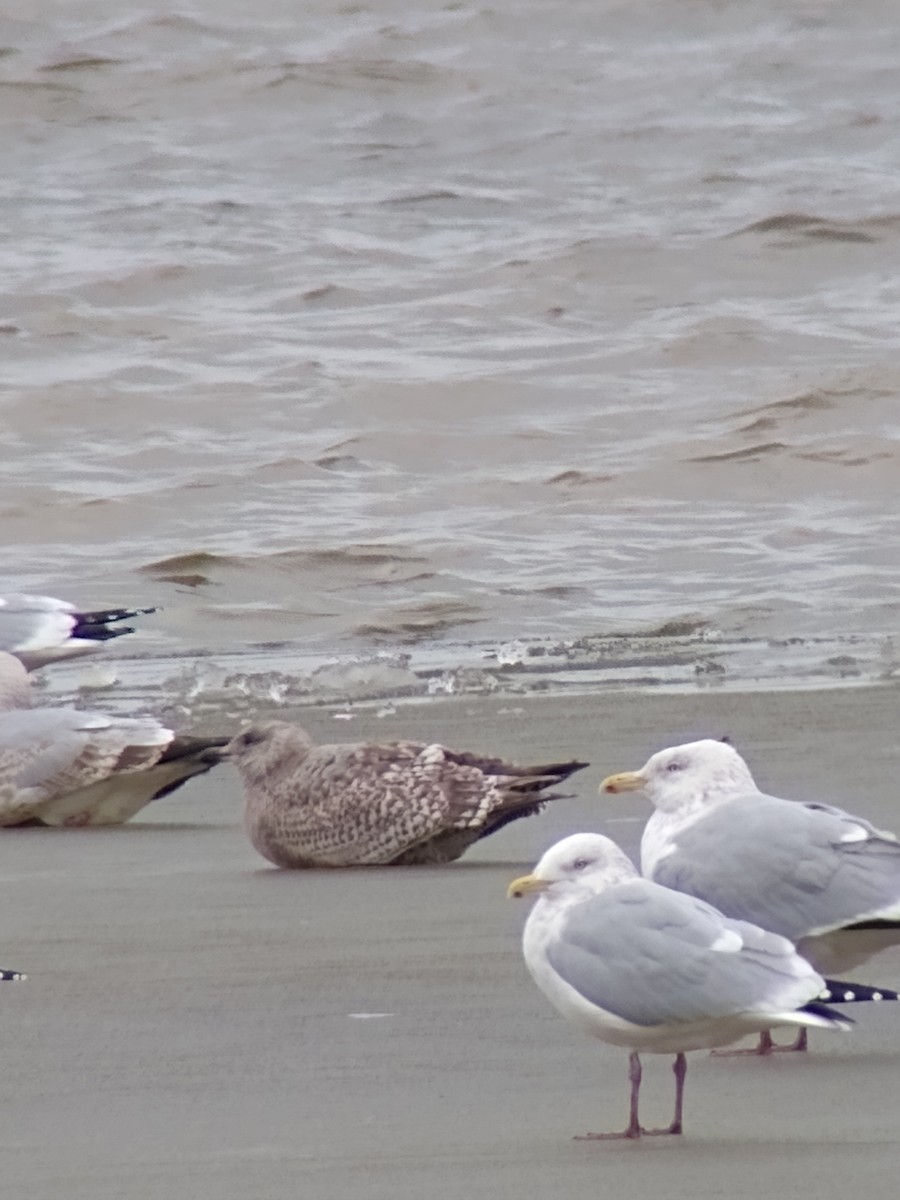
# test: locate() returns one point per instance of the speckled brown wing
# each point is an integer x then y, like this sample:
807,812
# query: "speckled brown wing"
482,796
349,805
375,803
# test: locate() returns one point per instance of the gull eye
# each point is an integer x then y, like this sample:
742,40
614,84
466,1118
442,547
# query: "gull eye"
580,863
674,766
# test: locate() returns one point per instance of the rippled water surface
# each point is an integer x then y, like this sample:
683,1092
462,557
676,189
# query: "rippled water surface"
369,325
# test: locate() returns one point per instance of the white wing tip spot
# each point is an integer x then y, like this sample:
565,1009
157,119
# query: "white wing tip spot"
848,995
729,941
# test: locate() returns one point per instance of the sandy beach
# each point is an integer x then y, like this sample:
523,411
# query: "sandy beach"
197,1024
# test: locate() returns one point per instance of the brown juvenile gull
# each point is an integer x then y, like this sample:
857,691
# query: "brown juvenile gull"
640,966
60,766
42,629
365,804
827,880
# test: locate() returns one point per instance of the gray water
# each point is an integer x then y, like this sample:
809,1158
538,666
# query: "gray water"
402,329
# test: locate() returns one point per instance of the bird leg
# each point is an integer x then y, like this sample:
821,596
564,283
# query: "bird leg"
679,1066
634,1126
766,1046
800,1042
635,1129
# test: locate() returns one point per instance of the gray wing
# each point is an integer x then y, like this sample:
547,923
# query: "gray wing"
646,955
48,752
33,623
794,868
35,743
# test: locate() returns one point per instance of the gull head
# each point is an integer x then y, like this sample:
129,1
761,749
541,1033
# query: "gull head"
268,748
688,776
583,863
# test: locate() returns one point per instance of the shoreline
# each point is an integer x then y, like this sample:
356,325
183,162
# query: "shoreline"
287,676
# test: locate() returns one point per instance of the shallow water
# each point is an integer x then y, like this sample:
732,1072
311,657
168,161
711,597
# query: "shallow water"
371,328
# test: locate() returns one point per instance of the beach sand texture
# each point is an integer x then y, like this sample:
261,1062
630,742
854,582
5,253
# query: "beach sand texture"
198,1024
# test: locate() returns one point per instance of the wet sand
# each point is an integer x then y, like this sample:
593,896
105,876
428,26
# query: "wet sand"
191,1025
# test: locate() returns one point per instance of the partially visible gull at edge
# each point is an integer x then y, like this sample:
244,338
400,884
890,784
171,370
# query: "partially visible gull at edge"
640,966
42,629
62,766
827,880
367,803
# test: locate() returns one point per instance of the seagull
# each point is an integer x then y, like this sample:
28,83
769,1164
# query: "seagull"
42,629
63,766
641,966
365,804
827,880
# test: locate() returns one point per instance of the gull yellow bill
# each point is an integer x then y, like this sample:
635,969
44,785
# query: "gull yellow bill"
524,885
627,781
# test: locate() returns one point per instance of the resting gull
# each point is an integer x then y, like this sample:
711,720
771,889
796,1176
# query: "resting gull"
365,804
41,629
827,880
640,966
61,766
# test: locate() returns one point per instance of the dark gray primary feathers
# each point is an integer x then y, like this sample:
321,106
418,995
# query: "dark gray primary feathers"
42,629
377,803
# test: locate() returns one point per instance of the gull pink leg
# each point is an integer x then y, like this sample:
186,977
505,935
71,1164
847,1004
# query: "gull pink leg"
800,1042
680,1068
766,1046
634,1126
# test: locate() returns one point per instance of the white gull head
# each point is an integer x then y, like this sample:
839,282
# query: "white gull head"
575,868
687,778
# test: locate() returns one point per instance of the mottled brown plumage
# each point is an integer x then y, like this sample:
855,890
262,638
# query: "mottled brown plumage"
367,803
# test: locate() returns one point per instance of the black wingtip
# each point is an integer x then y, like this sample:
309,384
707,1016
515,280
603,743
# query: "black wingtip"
818,1009
4,974
94,626
839,991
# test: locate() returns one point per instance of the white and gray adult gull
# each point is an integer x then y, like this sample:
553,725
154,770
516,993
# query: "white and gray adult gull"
638,965
827,880
62,766
42,629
